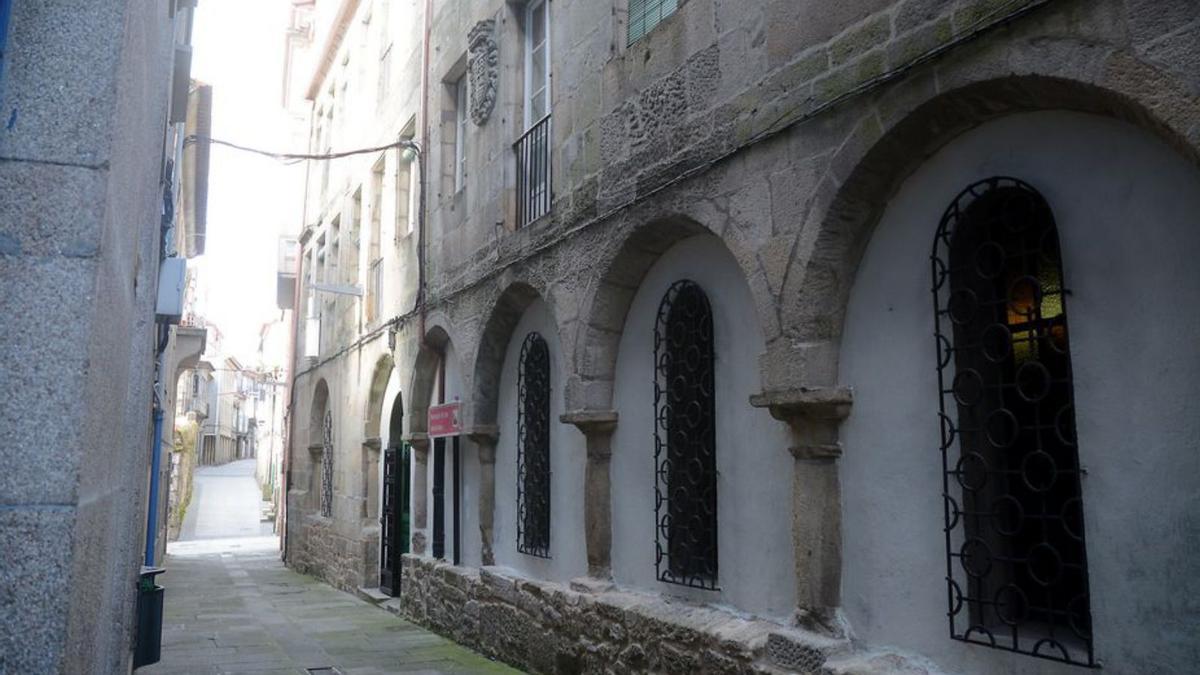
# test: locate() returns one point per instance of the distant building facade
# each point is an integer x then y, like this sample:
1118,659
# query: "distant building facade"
755,336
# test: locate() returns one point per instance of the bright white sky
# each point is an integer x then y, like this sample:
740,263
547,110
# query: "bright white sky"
238,48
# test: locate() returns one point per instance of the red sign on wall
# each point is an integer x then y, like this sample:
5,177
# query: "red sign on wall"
444,420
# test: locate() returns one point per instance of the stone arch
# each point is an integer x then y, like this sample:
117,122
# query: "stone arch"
823,270
507,311
375,396
602,318
424,376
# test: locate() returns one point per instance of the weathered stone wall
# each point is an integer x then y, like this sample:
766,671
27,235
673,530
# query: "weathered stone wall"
327,555
783,129
85,99
546,627
342,549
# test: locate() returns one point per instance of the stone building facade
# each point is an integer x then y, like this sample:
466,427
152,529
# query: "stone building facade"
709,418
92,132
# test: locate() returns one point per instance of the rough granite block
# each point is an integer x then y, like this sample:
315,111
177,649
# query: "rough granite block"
35,576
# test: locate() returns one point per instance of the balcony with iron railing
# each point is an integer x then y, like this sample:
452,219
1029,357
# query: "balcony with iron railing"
533,173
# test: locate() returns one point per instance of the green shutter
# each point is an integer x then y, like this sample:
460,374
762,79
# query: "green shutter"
644,15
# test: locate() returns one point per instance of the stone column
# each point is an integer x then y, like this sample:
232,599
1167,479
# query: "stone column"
370,481
420,485
597,427
814,416
485,437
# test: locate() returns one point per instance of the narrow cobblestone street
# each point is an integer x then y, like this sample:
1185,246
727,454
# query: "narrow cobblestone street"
232,607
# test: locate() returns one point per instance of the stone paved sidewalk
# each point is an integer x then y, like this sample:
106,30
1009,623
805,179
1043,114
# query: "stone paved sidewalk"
232,607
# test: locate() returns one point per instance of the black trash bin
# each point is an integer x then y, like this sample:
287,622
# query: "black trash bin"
148,646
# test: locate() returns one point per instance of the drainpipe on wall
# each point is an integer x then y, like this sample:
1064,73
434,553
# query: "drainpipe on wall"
421,226
155,465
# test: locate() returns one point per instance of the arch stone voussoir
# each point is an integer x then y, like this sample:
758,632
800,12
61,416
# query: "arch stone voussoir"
424,377
874,161
502,320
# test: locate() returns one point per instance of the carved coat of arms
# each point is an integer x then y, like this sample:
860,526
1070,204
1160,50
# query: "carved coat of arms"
483,65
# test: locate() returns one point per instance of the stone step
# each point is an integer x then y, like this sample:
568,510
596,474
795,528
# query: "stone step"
373,595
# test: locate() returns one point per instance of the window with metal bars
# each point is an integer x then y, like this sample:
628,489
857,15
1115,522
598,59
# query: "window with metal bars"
327,466
644,15
533,447
685,459
1016,561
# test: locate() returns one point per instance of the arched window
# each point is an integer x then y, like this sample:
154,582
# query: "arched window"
685,440
327,465
1016,561
533,448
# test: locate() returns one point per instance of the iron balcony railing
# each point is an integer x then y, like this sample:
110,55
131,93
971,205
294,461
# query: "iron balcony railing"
533,173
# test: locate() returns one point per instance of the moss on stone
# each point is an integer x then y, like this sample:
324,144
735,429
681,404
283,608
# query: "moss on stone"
860,40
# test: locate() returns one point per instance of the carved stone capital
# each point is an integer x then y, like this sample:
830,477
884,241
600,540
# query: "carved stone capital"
419,441
485,437
598,427
591,421
373,443
805,403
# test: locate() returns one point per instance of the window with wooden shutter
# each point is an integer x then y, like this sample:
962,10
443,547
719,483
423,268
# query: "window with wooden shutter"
644,15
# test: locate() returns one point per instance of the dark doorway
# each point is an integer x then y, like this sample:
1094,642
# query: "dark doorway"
439,498
395,519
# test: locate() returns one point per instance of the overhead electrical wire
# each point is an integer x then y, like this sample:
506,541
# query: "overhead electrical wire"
294,157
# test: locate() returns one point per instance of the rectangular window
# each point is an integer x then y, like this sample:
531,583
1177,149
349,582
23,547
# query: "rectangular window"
644,15
356,213
385,55
460,134
406,184
374,257
537,62
533,148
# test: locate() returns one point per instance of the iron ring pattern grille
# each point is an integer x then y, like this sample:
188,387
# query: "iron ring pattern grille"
685,486
1016,561
327,466
533,448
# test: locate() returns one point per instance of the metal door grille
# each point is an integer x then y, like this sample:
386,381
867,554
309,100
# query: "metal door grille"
1016,563
327,466
389,553
685,504
533,448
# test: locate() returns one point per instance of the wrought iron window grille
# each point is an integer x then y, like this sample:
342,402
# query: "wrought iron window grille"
1016,563
685,460
533,447
327,466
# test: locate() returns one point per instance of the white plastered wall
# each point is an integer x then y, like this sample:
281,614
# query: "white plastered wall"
755,554
568,456
1128,215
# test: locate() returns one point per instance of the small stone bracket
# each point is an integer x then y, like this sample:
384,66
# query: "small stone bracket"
373,443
